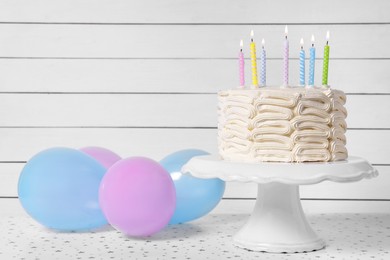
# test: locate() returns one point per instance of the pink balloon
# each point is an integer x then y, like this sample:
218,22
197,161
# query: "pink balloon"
106,157
137,196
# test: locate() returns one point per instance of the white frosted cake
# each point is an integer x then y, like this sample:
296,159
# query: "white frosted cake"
277,124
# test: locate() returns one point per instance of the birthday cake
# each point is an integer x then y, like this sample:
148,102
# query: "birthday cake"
282,124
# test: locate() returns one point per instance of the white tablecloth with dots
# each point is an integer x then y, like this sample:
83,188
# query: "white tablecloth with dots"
348,236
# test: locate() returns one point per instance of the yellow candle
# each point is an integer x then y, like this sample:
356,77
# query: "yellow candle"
255,82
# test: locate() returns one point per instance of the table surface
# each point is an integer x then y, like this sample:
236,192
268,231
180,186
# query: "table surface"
360,230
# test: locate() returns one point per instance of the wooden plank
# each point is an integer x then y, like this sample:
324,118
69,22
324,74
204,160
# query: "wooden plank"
310,207
199,11
9,176
151,110
208,41
372,145
20,144
368,111
169,75
12,207
107,110
376,188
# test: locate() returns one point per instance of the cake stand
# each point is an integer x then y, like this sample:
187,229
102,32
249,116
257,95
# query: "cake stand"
278,223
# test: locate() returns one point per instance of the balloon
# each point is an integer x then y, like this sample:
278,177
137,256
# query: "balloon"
106,157
195,197
59,188
137,196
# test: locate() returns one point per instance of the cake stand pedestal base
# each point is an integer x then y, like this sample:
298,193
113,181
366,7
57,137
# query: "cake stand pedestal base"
278,223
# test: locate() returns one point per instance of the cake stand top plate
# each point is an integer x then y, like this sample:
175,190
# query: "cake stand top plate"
211,166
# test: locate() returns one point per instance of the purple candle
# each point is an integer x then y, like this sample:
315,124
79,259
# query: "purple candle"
263,68
285,58
241,65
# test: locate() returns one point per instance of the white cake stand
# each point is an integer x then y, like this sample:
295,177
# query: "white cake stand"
278,223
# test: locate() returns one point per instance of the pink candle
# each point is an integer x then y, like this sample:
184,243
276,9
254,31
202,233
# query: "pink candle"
241,66
285,58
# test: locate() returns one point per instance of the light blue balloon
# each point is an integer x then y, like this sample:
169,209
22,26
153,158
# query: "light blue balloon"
195,197
59,188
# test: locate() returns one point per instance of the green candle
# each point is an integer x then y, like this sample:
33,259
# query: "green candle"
326,61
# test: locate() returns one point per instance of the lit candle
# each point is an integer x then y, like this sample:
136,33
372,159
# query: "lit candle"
285,58
326,61
302,65
312,62
263,69
241,66
253,62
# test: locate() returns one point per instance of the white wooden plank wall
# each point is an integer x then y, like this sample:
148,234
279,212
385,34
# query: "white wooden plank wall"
140,77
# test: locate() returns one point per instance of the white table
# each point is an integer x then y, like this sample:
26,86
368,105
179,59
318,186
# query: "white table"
352,229
278,223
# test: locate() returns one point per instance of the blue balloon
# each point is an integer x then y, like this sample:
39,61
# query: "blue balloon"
195,197
59,188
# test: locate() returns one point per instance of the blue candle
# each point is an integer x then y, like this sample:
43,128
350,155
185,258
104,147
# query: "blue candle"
263,68
312,62
302,65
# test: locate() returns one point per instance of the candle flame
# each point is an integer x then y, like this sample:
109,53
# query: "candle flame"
241,44
312,39
252,34
263,43
285,31
302,43
327,36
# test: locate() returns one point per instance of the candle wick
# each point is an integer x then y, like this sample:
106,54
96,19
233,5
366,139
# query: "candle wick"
286,37
251,39
312,45
301,47
327,42
240,50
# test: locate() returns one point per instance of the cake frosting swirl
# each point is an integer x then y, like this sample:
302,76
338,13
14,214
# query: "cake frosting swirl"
293,124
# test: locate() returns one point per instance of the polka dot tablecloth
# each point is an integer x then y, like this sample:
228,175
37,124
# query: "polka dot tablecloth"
348,236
